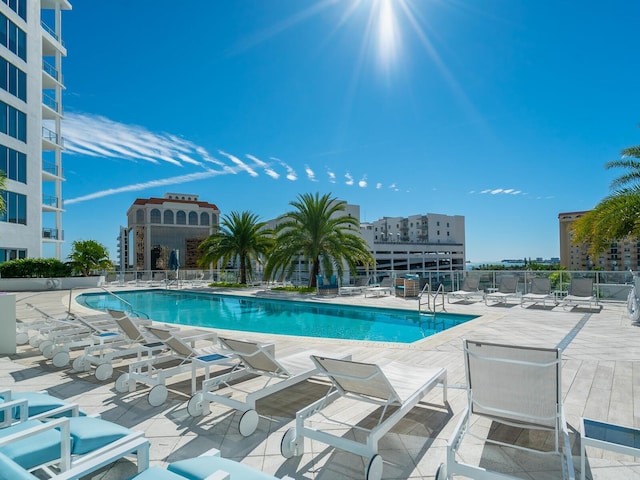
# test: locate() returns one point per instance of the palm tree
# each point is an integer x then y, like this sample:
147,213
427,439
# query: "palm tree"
241,237
89,255
318,232
618,215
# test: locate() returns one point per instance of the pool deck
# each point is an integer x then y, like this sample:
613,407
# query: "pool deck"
601,380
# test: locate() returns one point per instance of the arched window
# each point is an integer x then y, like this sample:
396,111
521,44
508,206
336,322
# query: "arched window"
214,219
204,218
140,216
181,218
168,217
155,216
193,218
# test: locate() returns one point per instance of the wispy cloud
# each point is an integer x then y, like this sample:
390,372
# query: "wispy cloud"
332,176
239,163
267,169
378,186
310,173
291,173
500,191
363,182
349,179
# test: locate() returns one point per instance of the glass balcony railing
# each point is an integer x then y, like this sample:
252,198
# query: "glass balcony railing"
50,31
52,168
50,201
52,136
50,70
52,233
50,102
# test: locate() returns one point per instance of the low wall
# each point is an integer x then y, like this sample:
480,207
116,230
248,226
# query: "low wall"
43,284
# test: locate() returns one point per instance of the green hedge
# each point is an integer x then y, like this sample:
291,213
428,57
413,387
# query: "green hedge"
35,268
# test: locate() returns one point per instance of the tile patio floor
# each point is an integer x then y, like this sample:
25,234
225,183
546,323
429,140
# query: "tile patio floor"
601,380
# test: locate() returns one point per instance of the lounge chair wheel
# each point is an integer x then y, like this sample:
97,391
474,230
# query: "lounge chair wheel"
248,422
122,383
290,446
441,472
22,338
60,359
374,469
36,340
45,345
157,395
104,371
80,364
195,406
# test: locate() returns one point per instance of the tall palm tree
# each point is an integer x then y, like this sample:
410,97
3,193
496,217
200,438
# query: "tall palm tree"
241,237
323,236
617,216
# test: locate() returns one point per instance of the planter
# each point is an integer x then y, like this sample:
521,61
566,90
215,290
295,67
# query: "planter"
44,284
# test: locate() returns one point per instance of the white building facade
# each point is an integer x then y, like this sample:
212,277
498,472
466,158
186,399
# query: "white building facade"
31,52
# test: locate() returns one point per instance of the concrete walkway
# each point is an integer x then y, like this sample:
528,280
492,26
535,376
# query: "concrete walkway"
601,380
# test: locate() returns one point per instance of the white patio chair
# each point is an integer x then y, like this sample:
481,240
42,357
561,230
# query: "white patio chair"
468,290
507,289
540,292
181,357
395,387
512,385
580,293
254,359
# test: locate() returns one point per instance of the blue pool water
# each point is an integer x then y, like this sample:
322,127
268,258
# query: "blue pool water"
281,317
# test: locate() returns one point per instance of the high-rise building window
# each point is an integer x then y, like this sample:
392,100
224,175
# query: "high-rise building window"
156,216
13,164
13,122
16,208
18,6
13,37
13,80
181,218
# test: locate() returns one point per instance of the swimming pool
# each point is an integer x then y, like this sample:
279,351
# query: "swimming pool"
283,317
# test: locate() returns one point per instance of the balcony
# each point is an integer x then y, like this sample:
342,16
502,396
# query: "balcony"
50,70
51,201
52,234
52,137
51,168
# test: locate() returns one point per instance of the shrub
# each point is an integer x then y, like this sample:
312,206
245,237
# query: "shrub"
34,268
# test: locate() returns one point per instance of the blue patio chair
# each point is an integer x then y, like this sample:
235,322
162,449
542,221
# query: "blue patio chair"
16,406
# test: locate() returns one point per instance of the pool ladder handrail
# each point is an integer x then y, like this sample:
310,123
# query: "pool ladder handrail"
120,299
427,290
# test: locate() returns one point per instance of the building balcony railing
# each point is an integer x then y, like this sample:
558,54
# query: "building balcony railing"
51,32
50,70
52,136
52,234
52,168
51,201
50,102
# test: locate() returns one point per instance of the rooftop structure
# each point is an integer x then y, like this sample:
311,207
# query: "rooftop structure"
31,145
156,226
623,254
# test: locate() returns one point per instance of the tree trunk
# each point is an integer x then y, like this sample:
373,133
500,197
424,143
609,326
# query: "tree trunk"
315,271
243,269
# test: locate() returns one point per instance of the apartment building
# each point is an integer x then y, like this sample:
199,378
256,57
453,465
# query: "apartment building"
31,52
156,226
622,254
421,242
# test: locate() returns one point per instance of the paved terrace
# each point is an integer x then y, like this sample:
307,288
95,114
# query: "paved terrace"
601,380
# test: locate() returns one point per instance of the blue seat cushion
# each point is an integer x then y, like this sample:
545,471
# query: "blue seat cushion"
157,473
10,470
38,402
90,433
199,468
32,451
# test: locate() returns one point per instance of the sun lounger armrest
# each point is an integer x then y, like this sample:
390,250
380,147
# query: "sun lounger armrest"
7,409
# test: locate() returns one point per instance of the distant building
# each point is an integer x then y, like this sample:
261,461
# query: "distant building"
621,255
156,226
31,86
422,242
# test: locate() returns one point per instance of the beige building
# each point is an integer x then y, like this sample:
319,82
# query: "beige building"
156,226
622,254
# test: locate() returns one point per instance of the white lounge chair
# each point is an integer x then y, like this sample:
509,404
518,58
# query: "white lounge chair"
540,292
507,289
580,293
208,466
512,385
468,290
358,287
254,359
395,387
182,357
20,406
67,448
384,288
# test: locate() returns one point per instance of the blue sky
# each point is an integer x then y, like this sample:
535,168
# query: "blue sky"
504,112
